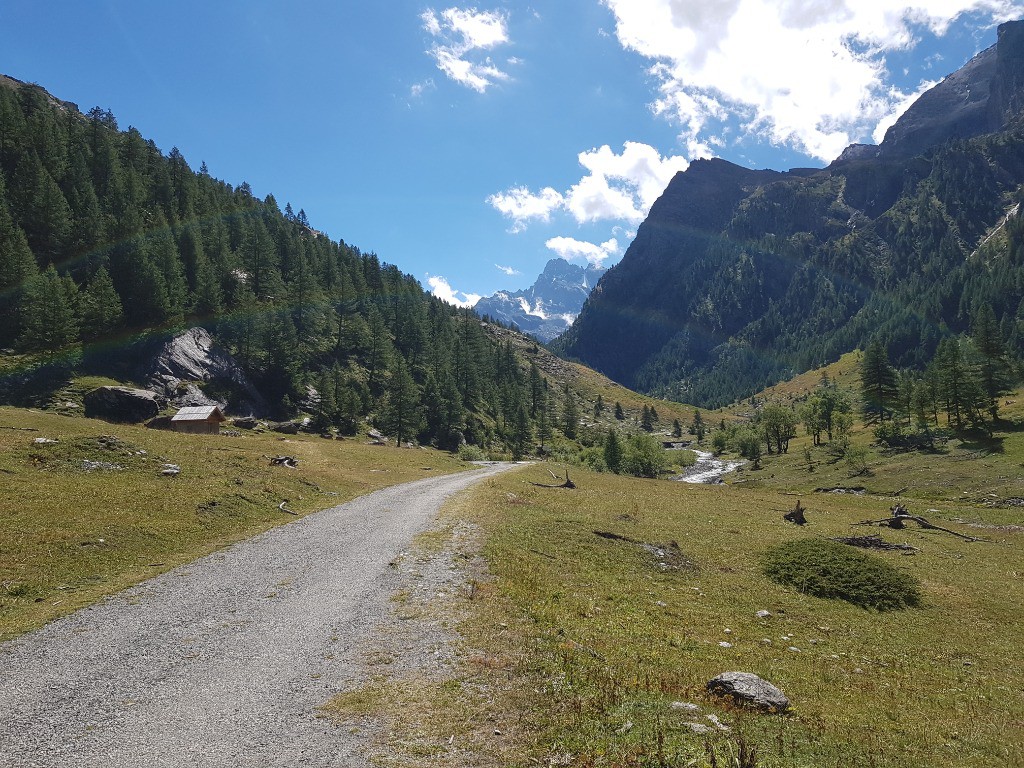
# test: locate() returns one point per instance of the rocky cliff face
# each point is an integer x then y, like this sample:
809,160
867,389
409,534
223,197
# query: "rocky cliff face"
192,369
740,277
547,307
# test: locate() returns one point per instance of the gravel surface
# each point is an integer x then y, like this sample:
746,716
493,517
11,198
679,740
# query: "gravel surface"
222,662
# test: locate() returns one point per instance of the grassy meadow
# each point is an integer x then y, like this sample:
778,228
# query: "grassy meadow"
73,532
583,648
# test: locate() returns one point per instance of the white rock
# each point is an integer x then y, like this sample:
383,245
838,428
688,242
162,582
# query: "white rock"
685,706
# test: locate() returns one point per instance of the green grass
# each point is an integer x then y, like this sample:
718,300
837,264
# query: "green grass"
834,571
69,535
597,639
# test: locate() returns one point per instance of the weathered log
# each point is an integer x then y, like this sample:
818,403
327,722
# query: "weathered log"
899,516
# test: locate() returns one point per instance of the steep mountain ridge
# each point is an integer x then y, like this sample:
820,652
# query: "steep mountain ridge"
739,277
547,307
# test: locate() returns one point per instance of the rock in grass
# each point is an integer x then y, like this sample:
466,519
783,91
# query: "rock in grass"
748,688
122,404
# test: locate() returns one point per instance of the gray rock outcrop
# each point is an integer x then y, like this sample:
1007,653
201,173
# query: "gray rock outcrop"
122,404
748,688
193,357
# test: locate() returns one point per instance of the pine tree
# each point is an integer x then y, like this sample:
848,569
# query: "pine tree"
646,420
697,426
402,415
613,452
877,383
953,375
17,267
543,419
101,309
570,413
619,413
993,370
520,432
49,313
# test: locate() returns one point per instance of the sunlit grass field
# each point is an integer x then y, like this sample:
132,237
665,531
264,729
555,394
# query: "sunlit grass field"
593,640
583,649
70,534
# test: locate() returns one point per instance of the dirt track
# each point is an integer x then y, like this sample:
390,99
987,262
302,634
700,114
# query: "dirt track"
222,662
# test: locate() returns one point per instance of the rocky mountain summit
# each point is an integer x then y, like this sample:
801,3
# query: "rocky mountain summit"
739,278
547,307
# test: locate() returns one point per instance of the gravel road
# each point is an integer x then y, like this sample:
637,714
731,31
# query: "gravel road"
224,661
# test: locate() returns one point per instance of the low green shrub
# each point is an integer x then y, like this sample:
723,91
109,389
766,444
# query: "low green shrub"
472,453
835,571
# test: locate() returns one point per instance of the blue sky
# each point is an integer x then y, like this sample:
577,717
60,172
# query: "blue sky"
468,144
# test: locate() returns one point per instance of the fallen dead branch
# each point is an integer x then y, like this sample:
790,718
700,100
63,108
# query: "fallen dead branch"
899,516
283,508
567,484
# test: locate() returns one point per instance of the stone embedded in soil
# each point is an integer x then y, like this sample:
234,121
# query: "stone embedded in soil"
748,688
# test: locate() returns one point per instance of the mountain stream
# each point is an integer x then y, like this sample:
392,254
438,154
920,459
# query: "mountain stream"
708,469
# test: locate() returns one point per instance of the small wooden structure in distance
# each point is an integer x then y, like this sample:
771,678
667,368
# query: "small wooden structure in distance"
199,420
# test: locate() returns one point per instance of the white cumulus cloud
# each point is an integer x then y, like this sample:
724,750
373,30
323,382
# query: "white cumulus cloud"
521,205
440,287
569,248
461,36
510,271
616,187
810,74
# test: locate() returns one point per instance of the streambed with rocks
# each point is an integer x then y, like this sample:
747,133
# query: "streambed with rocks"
709,469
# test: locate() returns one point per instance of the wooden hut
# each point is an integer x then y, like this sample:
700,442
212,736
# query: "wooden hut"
199,420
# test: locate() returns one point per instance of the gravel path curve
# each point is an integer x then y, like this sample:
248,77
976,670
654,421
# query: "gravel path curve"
224,661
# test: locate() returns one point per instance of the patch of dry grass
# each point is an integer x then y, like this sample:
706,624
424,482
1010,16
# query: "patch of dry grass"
70,535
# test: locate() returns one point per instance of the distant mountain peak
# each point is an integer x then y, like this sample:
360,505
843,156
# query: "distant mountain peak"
550,305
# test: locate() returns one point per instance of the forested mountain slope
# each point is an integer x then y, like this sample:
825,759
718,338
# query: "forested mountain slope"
107,247
739,278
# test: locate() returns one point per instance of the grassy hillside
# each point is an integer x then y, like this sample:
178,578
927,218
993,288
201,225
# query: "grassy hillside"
92,512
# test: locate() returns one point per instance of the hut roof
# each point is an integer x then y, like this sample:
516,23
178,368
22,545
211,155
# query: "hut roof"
200,413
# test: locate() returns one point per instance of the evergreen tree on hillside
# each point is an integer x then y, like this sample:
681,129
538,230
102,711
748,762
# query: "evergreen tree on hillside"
993,369
570,413
402,412
613,452
877,383
49,313
647,419
101,311
697,426
17,267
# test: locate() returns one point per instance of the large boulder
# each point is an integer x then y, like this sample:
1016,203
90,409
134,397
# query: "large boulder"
122,404
193,357
748,688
